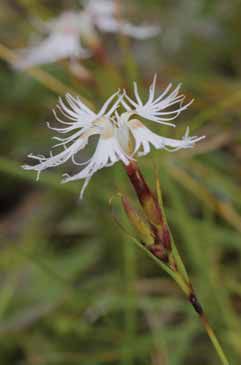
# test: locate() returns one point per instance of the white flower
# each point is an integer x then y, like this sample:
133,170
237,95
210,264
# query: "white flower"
62,41
83,123
103,15
153,108
115,132
63,35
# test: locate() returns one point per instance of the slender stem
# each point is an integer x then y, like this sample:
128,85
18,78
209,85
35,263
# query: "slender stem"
214,340
174,266
199,310
191,297
130,310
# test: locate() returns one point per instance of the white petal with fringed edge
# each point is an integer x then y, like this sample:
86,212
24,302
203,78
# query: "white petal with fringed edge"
62,157
108,152
153,108
83,123
144,138
115,131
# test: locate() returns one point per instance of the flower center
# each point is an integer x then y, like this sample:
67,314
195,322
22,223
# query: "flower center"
106,126
135,123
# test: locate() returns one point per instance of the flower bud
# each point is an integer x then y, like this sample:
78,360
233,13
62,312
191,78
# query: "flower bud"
146,197
138,223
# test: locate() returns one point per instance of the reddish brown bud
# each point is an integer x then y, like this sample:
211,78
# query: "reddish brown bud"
145,196
138,223
166,238
159,251
160,232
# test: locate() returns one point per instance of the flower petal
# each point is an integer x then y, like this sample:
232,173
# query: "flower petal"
62,157
55,47
144,138
153,109
108,152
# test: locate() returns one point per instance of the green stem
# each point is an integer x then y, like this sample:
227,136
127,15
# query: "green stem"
155,213
130,312
187,289
214,340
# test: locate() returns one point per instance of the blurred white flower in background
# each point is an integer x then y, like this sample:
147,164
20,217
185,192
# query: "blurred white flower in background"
120,136
63,41
65,35
104,16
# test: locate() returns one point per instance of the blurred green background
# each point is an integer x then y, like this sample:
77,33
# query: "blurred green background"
73,288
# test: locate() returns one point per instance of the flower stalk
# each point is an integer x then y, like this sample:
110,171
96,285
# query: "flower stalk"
162,246
122,136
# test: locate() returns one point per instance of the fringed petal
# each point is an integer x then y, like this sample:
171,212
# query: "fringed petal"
108,152
155,109
144,138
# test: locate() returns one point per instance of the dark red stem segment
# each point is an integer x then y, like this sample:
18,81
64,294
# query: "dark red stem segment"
145,195
153,212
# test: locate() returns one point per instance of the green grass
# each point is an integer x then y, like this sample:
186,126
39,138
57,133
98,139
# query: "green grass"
74,288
